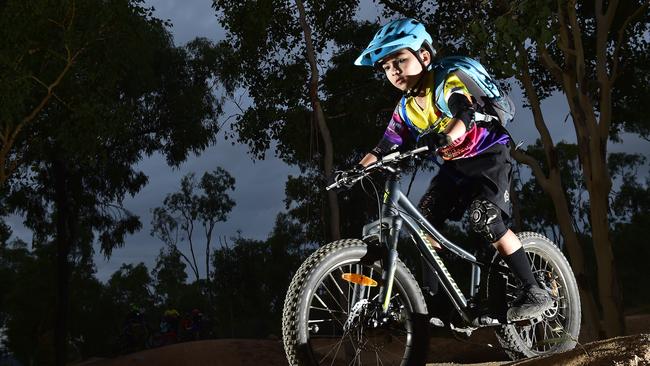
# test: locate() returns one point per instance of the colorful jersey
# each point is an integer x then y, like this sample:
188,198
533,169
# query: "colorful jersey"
409,119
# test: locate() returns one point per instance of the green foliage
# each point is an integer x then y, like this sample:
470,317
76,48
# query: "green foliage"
26,307
120,92
272,70
537,208
131,286
169,276
261,271
632,206
23,310
147,96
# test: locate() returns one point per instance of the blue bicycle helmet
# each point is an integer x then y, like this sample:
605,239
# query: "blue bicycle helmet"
392,37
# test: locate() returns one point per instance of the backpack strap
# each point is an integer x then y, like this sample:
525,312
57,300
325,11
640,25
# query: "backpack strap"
412,128
439,76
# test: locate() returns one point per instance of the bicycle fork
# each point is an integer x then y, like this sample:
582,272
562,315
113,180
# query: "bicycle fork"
389,210
388,275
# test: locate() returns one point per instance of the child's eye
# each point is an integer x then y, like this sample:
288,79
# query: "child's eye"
401,60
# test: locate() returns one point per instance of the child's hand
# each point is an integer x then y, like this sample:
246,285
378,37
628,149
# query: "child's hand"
434,140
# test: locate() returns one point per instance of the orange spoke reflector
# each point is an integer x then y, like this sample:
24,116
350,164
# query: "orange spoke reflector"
359,279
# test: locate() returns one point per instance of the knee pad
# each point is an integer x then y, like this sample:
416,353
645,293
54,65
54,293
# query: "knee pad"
485,219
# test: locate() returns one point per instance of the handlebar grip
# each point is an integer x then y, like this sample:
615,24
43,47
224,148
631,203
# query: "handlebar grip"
420,149
331,186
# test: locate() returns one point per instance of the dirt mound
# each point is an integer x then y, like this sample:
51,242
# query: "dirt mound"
481,349
222,352
631,350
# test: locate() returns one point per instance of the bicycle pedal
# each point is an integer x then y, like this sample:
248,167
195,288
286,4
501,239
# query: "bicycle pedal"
463,331
528,321
436,322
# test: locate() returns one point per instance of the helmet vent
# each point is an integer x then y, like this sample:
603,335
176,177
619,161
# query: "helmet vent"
377,51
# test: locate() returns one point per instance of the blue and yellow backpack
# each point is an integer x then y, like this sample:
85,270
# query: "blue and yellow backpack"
493,103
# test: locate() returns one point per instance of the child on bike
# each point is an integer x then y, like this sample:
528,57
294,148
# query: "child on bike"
476,172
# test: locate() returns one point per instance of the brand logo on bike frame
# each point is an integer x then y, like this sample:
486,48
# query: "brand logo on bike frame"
444,269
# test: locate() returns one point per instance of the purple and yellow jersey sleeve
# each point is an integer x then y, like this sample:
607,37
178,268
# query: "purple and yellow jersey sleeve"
412,120
394,136
397,131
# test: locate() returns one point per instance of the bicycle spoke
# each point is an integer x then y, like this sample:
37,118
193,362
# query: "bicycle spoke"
334,298
327,307
337,285
338,346
543,336
362,345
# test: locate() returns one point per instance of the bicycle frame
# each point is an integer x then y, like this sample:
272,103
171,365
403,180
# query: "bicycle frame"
398,211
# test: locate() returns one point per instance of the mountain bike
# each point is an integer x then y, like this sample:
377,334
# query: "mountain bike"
354,302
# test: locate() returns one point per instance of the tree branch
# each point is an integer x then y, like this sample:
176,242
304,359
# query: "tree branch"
578,46
10,136
524,158
569,53
619,42
175,248
399,8
550,64
603,25
533,99
319,115
604,20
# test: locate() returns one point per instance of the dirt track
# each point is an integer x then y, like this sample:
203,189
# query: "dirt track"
631,350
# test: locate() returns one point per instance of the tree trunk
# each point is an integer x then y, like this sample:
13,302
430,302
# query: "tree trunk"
608,289
591,326
517,222
552,185
62,203
592,127
328,159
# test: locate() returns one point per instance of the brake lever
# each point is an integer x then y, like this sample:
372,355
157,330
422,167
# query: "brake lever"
396,156
346,180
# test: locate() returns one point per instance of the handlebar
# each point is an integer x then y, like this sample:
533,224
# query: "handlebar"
350,177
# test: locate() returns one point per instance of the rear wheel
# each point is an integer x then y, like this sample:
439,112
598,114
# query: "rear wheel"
558,329
328,320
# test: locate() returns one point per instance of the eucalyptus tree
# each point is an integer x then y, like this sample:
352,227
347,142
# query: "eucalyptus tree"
279,55
198,205
628,211
126,93
595,53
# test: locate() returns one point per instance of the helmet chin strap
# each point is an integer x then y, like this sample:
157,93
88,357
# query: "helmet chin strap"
418,87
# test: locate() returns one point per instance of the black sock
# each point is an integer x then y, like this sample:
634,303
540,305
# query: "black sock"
520,267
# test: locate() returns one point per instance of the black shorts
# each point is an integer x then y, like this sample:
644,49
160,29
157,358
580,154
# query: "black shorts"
486,176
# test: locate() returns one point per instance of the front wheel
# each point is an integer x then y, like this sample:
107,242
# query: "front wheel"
329,320
558,329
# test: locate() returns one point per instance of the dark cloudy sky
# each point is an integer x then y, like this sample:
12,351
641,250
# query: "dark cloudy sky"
259,189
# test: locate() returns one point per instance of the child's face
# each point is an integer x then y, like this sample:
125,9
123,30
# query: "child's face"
403,68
